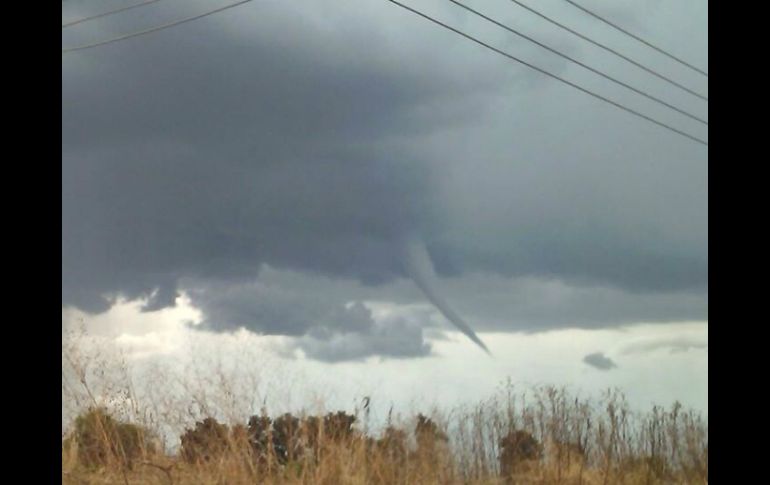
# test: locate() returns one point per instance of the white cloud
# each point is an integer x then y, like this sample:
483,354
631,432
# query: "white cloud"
456,371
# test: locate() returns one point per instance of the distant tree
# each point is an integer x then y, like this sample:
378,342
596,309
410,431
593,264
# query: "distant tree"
339,426
100,439
260,435
286,437
516,448
208,440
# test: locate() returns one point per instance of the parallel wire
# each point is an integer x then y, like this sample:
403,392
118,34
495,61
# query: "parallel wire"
153,29
549,74
442,24
581,64
611,50
621,29
105,14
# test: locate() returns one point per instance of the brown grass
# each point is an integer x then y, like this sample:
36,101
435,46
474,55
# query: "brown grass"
545,436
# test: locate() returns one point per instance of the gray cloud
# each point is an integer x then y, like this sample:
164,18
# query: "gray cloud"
326,326
599,361
315,140
391,338
494,302
298,156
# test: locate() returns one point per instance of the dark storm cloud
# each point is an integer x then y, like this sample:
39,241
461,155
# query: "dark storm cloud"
599,361
317,139
531,304
394,339
210,158
485,301
328,325
362,337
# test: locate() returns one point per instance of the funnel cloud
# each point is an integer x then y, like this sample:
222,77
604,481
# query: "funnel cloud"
269,163
420,270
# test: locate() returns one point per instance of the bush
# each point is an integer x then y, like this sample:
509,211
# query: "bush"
288,438
286,433
260,434
427,432
516,448
100,439
207,441
339,427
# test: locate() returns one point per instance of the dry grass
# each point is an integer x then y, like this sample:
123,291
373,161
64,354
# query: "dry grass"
543,437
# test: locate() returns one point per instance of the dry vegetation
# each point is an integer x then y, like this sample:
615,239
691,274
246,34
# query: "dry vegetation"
544,437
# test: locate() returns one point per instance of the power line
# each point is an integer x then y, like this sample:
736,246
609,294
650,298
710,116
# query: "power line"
611,50
636,37
97,16
153,29
585,66
554,76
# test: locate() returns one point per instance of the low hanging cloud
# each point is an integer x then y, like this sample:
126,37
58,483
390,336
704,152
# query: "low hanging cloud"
599,361
325,327
394,337
315,141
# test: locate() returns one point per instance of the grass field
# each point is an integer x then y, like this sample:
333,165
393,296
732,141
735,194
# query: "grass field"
111,434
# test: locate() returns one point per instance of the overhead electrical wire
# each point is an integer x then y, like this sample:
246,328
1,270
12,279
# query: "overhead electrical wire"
448,27
611,50
153,29
105,14
549,74
647,43
581,64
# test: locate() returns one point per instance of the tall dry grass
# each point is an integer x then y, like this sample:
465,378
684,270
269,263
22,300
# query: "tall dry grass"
201,430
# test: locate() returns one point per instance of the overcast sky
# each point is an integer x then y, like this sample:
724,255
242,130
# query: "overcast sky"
270,162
